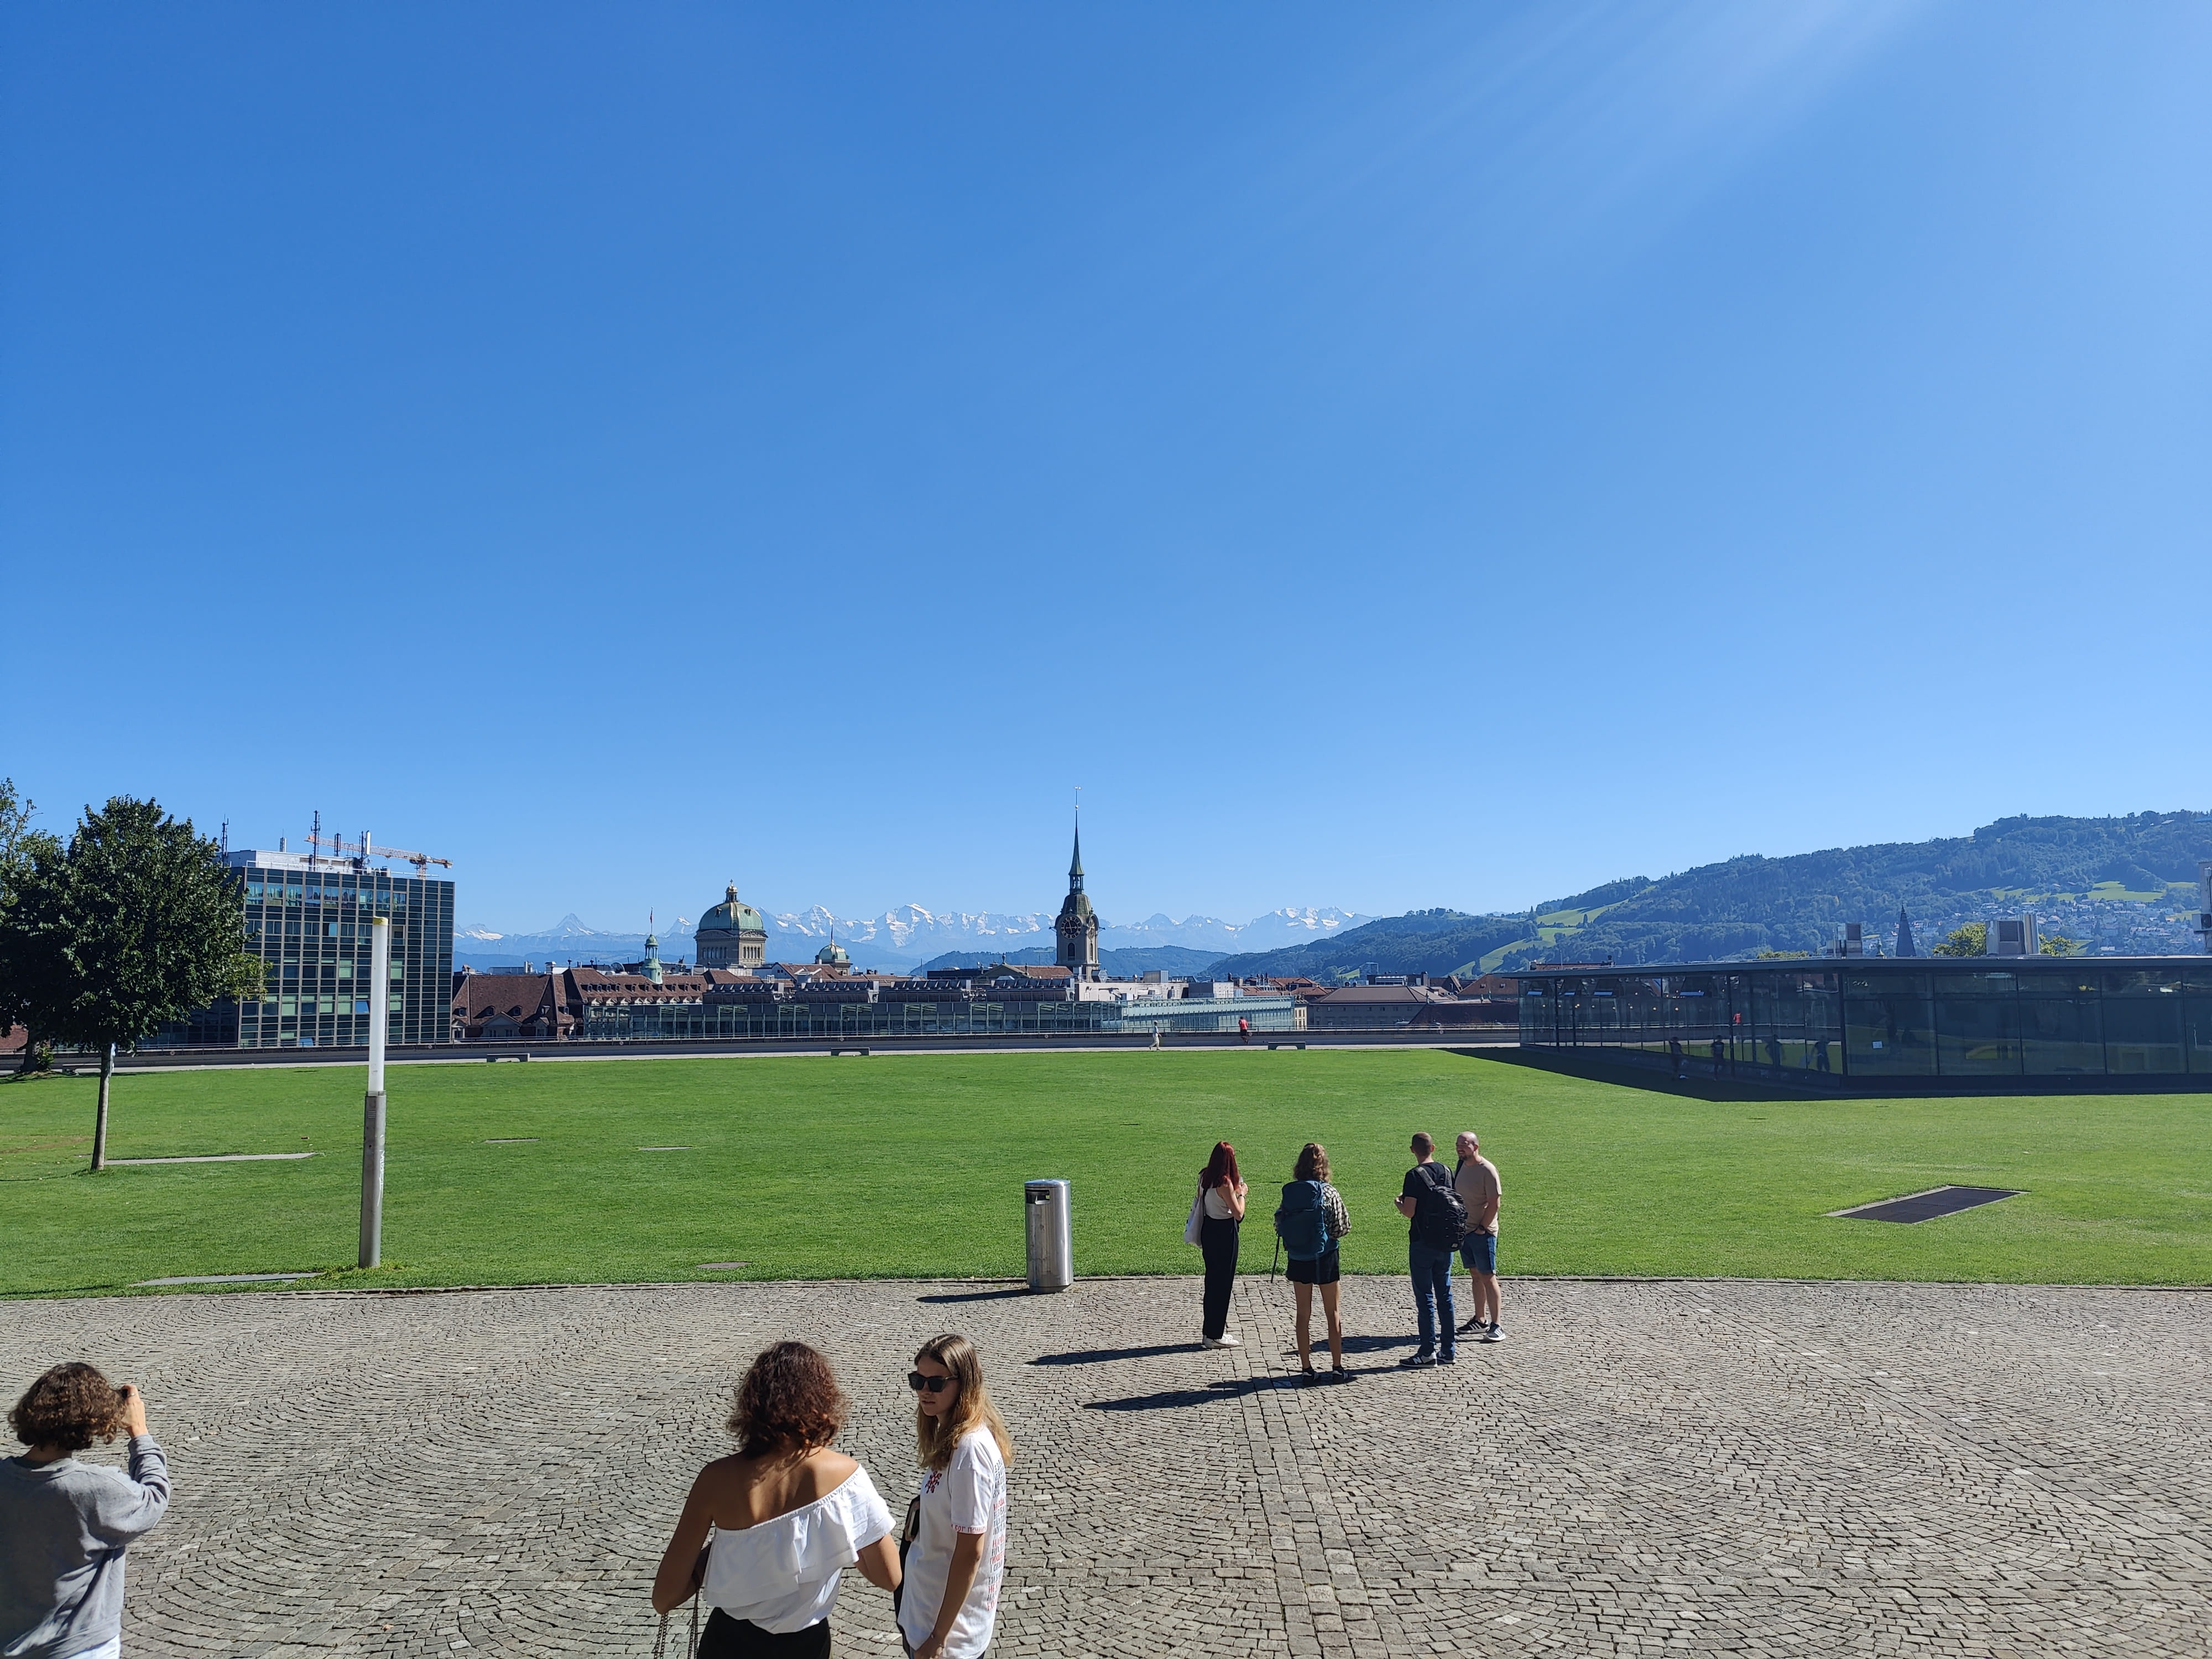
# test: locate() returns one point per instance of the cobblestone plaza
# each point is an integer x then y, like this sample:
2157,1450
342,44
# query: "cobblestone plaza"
1640,1468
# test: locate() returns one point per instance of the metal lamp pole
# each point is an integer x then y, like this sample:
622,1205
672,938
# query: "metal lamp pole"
372,1114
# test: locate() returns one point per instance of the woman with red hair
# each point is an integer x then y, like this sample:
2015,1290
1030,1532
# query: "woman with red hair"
1221,1195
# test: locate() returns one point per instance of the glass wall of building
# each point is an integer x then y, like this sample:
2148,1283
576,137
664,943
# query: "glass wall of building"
1968,1018
1790,1020
309,923
816,1011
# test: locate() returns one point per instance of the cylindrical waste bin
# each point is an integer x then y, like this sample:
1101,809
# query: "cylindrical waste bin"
1052,1246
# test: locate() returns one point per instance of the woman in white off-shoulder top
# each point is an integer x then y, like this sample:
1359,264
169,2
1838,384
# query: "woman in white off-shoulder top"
788,1515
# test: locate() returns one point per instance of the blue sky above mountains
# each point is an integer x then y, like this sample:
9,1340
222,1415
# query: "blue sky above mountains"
1440,455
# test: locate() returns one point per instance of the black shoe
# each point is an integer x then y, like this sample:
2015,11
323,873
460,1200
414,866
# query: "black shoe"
1469,1324
1413,1360
1340,1373
1449,1357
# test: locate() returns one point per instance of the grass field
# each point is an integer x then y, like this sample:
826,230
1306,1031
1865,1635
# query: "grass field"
911,1166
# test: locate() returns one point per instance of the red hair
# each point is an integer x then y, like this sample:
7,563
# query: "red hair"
1221,1168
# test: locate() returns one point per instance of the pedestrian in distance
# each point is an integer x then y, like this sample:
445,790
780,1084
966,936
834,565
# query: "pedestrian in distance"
1674,1048
64,1526
1475,1177
788,1514
1221,1199
1311,1222
1243,1028
1432,1204
957,1556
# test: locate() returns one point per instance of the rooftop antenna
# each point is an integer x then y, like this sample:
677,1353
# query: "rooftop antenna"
226,837
315,838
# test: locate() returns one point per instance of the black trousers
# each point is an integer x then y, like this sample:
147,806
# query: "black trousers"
726,1638
1217,1242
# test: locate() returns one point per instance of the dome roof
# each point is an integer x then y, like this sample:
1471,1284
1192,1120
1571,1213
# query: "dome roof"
832,955
731,915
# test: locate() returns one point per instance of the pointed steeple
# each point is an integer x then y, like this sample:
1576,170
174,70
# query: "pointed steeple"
1076,929
1905,947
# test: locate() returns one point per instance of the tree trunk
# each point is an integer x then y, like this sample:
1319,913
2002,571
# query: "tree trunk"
100,1124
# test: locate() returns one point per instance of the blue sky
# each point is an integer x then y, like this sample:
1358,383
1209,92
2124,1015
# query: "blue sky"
1388,456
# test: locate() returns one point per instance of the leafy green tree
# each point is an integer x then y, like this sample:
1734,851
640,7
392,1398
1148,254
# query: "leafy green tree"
24,961
140,916
1971,940
2058,944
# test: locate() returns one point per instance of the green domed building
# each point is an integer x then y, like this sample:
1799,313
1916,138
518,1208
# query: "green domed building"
731,934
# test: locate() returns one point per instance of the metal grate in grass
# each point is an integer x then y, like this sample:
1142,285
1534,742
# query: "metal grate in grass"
1925,1207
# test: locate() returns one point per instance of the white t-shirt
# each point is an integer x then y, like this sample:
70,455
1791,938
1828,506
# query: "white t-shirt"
783,1574
968,1495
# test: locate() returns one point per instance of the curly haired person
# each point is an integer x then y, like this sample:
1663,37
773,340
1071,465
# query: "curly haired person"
64,1525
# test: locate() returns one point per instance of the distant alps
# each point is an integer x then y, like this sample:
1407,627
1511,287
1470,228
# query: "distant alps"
902,939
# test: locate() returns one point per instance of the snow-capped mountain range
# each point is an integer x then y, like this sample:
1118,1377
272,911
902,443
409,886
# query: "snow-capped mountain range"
905,937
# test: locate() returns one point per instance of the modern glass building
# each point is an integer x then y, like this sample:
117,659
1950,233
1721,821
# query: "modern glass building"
1822,1021
308,921
923,1008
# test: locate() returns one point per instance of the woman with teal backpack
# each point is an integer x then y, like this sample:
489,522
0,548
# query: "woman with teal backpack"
1310,1221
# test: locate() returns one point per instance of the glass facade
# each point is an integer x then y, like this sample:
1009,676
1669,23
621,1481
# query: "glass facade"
830,1011
1968,1019
309,924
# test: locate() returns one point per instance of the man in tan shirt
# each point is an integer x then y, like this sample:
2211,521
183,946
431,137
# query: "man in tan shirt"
1475,1179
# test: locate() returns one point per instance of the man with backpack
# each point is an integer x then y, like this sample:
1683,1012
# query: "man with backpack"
1438,1215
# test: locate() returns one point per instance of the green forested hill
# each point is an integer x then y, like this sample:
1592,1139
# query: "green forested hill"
1752,904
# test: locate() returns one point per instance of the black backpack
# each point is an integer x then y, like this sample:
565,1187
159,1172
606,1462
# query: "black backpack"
1439,1213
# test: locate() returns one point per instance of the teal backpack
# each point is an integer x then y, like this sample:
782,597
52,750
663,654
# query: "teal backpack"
1302,1221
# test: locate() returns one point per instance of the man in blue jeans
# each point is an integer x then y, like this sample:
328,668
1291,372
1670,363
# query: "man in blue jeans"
1430,1263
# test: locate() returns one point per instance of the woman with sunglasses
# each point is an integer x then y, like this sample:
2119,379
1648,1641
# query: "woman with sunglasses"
1221,1195
788,1514
958,1555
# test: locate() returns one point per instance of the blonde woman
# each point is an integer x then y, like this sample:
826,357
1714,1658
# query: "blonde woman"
950,1600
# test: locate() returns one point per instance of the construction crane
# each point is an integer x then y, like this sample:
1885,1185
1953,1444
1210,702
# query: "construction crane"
366,849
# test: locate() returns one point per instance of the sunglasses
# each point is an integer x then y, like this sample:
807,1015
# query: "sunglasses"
921,1384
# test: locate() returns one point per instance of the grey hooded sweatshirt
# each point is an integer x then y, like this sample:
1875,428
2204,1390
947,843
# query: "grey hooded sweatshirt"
64,1526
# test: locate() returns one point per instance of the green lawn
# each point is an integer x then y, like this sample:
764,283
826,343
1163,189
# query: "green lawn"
911,1166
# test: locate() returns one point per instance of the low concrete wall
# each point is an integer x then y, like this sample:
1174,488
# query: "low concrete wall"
162,1059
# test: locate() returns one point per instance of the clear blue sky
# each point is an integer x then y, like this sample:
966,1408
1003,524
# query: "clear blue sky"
1388,456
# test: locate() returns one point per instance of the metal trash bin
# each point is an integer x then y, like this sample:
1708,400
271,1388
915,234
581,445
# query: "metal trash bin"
1052,1245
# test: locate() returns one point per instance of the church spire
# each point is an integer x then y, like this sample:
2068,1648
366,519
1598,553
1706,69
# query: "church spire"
1075,864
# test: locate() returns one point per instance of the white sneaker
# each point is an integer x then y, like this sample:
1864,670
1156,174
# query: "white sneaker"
1230,1339
1210,1342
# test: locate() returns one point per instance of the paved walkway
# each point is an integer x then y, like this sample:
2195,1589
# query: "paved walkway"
1640,1469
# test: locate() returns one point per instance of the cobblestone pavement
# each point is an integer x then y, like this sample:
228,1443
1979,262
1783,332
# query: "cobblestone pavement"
1648,1468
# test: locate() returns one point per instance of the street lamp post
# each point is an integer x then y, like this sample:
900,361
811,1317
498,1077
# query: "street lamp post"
372,1116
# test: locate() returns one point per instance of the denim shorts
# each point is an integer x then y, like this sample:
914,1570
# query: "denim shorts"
1478,1253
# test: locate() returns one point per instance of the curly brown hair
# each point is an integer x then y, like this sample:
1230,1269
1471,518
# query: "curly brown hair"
71,1407
789,1401
1313,1163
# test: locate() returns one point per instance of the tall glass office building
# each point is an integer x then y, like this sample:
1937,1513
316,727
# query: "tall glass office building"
308,921
1981,1018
